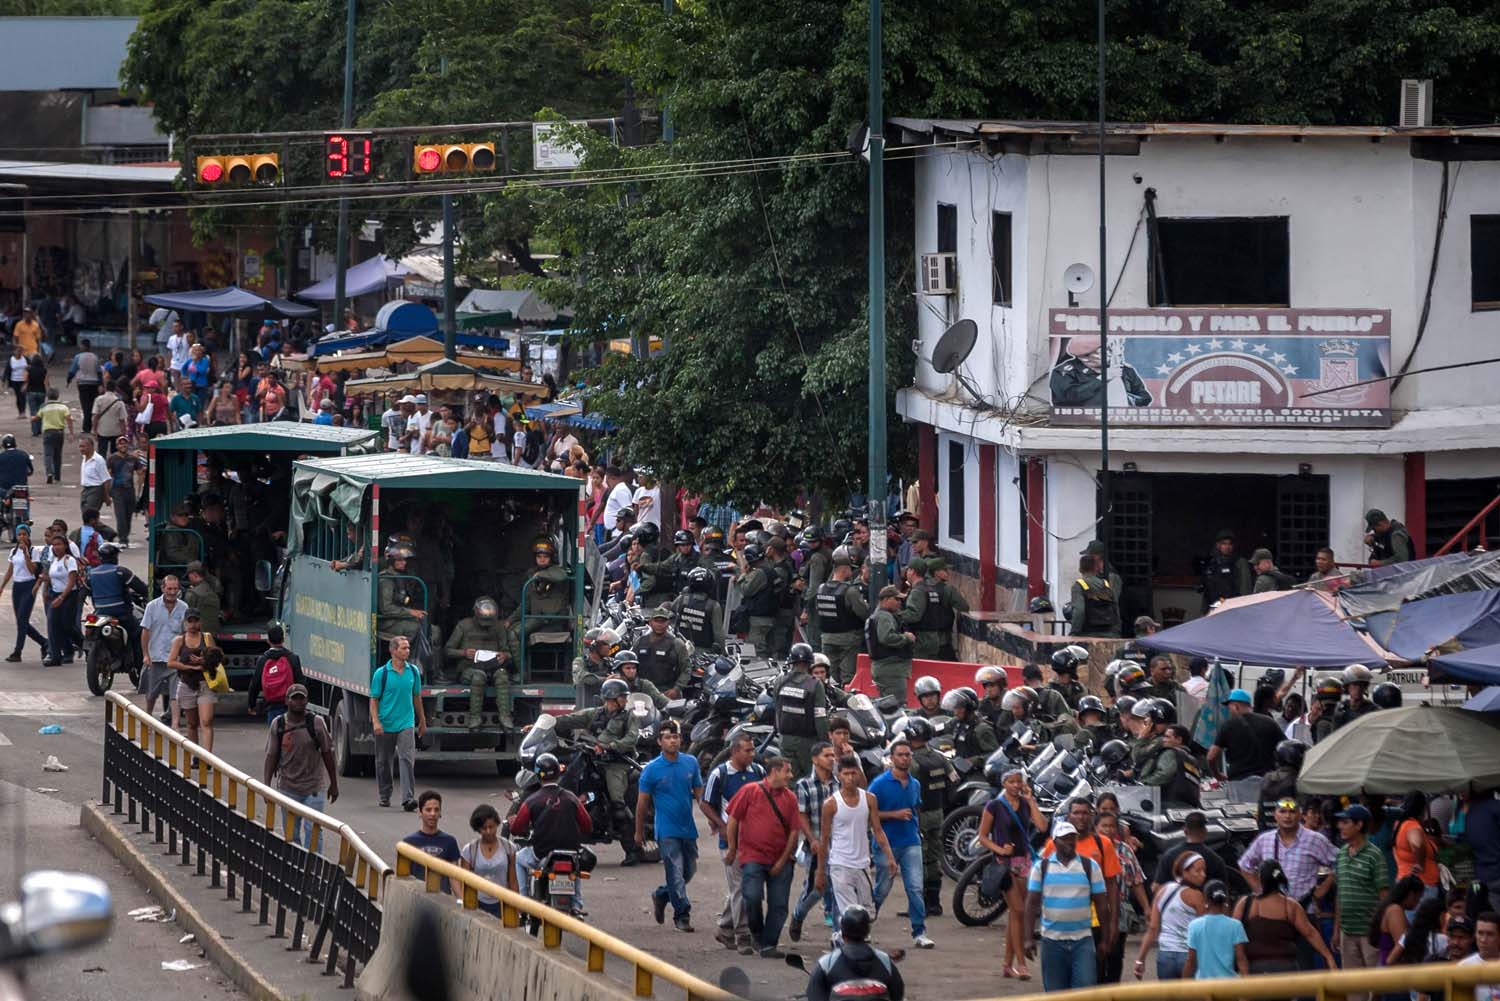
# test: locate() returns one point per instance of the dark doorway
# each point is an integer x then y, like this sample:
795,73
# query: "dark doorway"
1451,504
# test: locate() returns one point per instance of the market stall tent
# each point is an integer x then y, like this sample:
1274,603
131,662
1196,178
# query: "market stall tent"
231,300
366,278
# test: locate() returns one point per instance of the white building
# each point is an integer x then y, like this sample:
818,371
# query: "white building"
1294,259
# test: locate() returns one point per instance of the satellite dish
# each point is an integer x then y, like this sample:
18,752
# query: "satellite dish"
954,346
1078,278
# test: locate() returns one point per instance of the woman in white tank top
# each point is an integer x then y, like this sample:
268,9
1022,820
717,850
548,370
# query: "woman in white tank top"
1174,908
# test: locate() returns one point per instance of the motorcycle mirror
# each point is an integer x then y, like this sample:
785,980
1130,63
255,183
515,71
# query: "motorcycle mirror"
62,910
795,959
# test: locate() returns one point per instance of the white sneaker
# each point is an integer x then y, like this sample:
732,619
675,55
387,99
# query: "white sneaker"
923,942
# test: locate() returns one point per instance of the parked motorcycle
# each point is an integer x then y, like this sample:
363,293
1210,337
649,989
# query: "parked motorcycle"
727,697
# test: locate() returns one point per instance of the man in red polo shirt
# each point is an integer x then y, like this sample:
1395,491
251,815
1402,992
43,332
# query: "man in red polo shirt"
763,826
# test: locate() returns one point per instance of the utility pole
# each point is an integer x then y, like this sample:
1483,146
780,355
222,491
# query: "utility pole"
450,332
341,251
876,476
668,133
1105,495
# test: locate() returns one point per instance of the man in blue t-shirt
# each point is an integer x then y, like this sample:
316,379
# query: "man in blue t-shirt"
672,782
898,795
723,782
433,841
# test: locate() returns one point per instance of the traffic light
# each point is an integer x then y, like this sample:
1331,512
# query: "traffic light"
452,158
245,168
348,156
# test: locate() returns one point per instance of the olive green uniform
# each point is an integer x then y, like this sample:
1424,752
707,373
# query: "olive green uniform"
588,675
801,717
929,603
667,578
787,605
815,570
176,548
479,634
1143,751
975,741
664,661
701,620
399,596
1173,770
203,599
1050,703
936,775
890,654
847,607
647,689
1095,607
757,592
1168,690
548,593
1071,691
617,732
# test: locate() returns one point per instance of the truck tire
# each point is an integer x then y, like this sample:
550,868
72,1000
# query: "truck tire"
349,764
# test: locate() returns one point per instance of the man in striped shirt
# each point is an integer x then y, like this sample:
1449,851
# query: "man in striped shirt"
813,791
723,782
1060,891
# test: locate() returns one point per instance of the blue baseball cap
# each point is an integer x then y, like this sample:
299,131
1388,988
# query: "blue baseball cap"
1354,811
1239,695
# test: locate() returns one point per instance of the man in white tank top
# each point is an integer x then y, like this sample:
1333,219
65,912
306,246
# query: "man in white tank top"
850,817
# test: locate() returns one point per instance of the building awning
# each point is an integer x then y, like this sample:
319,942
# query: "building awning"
365,278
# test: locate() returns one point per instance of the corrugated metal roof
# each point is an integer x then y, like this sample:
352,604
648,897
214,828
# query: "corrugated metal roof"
397,469
271,436
63,53
42,169
981,128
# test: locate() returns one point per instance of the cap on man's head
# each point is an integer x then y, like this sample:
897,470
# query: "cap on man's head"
194,567
421,398
890,591
1374,516
192,613
1462,922
1355,811
921,535
1063,829
1094,548
297,689
408,398
183,508
936,563
1144,622
661,612
1261,554
1239,695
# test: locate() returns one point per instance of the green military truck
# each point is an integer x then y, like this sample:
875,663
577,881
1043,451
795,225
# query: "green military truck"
247,468
471,528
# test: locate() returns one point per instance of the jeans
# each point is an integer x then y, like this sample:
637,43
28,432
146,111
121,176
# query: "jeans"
305,832
63,637
909,858
759,884
52,450
679,857
1067,963
526,861
22,600
19,388
400,750
34,401
810,895
123,498
1169,964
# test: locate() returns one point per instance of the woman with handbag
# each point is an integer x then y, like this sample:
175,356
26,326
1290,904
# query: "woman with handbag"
1006,828
194,698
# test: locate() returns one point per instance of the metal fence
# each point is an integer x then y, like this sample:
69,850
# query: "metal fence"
599,944
238,831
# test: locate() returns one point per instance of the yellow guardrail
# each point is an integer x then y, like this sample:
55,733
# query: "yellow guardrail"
239,791
648,968
1458,982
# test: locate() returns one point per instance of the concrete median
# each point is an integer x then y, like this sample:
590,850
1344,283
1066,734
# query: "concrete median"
485,959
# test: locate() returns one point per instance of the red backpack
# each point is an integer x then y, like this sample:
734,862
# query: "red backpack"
276,678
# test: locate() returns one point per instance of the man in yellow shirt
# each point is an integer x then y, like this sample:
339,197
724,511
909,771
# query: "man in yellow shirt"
55,417
27,332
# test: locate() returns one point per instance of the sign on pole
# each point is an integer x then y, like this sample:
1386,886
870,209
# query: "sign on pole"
549,151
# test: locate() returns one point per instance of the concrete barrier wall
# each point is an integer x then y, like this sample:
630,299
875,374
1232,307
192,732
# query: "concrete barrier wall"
486,960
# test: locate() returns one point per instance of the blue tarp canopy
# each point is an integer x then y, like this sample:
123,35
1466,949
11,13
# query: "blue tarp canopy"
378,338
1471,619
555,410
366,277
1479,665
1277,629
1487,701
1385,589
231,299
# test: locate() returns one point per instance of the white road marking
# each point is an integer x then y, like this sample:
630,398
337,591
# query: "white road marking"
4,740
46,704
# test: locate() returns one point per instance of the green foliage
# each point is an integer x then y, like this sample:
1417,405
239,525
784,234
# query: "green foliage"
71,8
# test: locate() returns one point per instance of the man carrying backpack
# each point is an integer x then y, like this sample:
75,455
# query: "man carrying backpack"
298,752
275,673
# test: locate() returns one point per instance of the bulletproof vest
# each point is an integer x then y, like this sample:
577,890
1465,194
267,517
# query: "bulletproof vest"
602,719
763,603
1219,578
938,616
680,567
554,820
1098,604
692,619
782,575
1348,712
932,772
1382,545
964,742
833,613
1071,691
1184,787
658,655
794,706
1282,581
873,646
107,585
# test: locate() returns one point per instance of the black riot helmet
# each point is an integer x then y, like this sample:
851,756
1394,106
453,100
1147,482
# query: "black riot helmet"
486,609
8,442
1386,696
700,581
918,728
1090,703
682,537
801,653
613,688
646,533
754,552
547,768
1114,752
624,657
1289,753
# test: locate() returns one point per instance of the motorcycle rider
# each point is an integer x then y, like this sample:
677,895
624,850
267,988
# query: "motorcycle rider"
929,692
484,633
1050,703
114,591
664,658
1065,674
937,775
974,739
837,697
1093,722
758,597
992,683
696,614
1386,696
627,666
1281,782
841,610
817,567
1357,680
555,818
890,648
1021,703
615,730
15,465
801,709
1164,764
854,959
590,670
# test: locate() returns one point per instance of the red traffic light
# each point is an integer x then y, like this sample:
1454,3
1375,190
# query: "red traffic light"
429,159
212,172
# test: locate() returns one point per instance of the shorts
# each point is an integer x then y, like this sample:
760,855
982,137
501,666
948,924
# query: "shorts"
1020,866
191,698
157,679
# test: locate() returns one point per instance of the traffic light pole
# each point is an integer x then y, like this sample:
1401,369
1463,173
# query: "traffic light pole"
450,332
876,489
341,251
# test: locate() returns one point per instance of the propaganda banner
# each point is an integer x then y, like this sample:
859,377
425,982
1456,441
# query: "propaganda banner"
1222,367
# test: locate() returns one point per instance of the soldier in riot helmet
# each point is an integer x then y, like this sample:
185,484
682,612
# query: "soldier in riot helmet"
1094,730
1065,674
817,567
788,601
841,610
546,592
663,657
1327,694
929,693
695,613
937,776
759,597
801,709
992,683
974,739
401,610
1050,703
715,558
590,670
1162,763
670,575
483,650
1225,574
1357,681
627,667
615,731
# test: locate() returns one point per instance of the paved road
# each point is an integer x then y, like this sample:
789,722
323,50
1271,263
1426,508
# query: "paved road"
965,963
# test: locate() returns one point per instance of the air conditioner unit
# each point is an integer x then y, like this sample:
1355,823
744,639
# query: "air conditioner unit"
939,274
1416,104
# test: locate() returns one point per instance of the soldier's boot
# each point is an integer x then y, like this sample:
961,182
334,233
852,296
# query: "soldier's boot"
476,679
501,681
932,895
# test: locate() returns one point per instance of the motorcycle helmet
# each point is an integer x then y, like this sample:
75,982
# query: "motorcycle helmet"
700,581
607,641
486,609
625,657
854,923
544,547
1330,689
613,688
845,556
1090,703
1131,680
760,538
914,728
1158,711
8,442
682,537
1290,753
646,533
1124,704
812,535
723,665
1114,752
1041,605
547,767
399,548
713,537
1273,678
841,529
964,697
990,674
800,653
927,685
1022,698
1066,660
1357,674
754,552
1386,696
109,553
